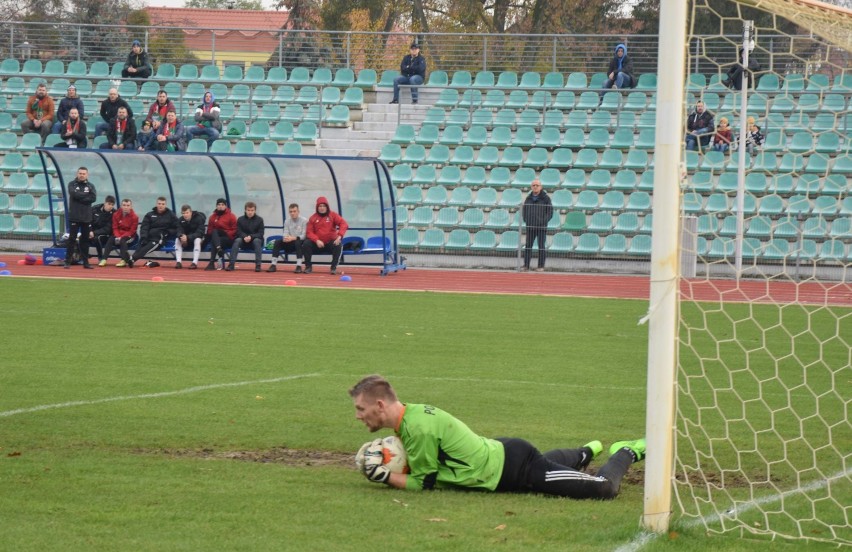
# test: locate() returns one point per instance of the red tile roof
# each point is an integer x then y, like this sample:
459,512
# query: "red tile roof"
242,30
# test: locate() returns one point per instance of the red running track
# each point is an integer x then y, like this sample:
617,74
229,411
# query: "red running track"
462,281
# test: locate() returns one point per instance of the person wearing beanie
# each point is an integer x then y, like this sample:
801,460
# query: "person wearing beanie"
412,70
137,65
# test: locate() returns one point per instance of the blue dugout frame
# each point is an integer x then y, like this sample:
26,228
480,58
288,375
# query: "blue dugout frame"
358,188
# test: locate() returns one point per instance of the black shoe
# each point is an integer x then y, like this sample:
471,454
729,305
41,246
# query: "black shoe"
178,265
298,270
211,266
193,266
88,266
308,270
66,265
414,102
230,268
152,264
257,268
130,263
333,271
394,101
271,269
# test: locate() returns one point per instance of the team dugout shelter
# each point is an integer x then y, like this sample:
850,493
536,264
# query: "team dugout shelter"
359,189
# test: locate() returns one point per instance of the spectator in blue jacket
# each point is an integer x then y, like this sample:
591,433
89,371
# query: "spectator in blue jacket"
620,71
64,110
412,71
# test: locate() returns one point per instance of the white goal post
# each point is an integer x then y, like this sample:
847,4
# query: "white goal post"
748,368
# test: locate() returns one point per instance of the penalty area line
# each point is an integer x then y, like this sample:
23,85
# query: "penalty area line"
187,391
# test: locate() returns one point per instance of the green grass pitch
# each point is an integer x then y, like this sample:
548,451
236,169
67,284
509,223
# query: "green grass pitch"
141,416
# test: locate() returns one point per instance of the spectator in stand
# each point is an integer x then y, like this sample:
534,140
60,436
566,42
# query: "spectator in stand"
620,71
291,242
125,221
137,65
699,127
40,113
81,195
171,136
159,225
249,233
221,231
101,231
72,131
146,137
207,123
754,138
109,110
70,101
157,111
734,78
724,137
121,134
536,214
324,233
412,71
190,231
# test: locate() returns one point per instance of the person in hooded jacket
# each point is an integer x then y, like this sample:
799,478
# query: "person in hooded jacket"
620,71
207,123
221,231
324,235
249,234
159,224
190,231
81,195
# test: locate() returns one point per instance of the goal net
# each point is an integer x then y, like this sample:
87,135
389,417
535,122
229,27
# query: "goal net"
762,437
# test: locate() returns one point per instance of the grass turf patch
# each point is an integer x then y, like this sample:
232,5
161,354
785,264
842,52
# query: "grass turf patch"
157,371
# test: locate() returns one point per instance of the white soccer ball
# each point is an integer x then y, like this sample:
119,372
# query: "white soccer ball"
391,450
394,455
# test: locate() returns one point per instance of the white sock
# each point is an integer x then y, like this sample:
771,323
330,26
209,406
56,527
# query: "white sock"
298,262
196,250
274,261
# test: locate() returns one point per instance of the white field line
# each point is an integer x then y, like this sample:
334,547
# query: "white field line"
187,391
645,537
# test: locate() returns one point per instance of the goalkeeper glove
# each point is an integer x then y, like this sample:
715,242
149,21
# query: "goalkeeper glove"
378,473
374,469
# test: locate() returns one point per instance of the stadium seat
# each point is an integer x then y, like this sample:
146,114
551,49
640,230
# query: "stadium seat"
499,177
473,217
353,98
421,216
197,145
476,136
367,79
461,196
463,156
536,158
474,177
562,242
484,240
433,238
22,203
452,135
438,78
530,79
447,217
553,80
439,155
587,244
586,159
562,199
587,200
401,174
484,79
425,176
498,219
523,178
461,79
221,146
470,99
511,198
524,137
408,237
391,154
458,239
507,79
600,222
626,180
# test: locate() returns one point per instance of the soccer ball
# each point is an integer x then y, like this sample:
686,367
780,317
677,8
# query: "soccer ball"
392,452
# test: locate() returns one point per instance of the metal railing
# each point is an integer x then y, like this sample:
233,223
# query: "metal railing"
449,52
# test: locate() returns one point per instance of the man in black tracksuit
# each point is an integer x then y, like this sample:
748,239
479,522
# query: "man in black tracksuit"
537,213
190,232
158,225
249,233
81,195
102,226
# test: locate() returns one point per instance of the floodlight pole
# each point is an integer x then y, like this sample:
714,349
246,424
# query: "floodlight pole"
665,267
738,243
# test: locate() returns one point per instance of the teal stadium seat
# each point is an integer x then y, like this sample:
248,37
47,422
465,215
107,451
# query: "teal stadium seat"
366,79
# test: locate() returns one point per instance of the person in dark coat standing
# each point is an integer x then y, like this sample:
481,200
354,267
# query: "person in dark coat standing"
537,213
249,233
81,195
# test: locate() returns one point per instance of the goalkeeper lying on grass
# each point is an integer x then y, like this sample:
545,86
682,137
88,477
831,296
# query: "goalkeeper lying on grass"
444,453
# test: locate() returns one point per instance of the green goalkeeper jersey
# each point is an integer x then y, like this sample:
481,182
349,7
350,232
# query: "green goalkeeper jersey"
444,452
